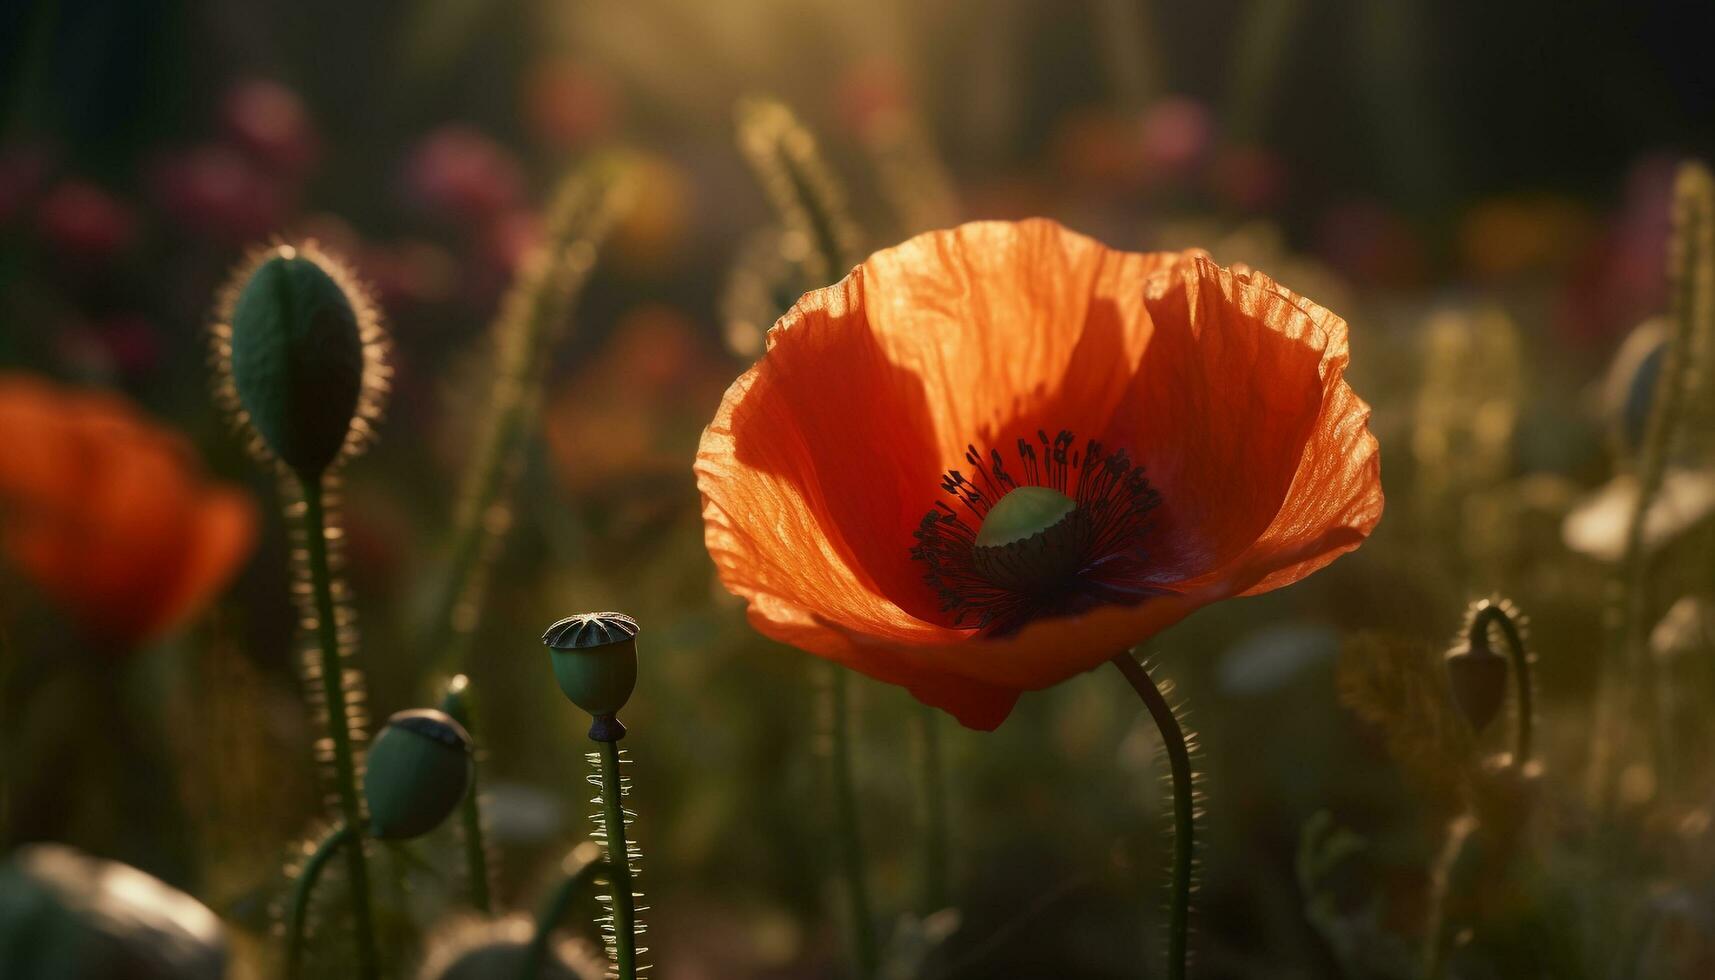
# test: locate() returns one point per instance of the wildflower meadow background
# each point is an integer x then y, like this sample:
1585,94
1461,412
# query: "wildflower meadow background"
554,233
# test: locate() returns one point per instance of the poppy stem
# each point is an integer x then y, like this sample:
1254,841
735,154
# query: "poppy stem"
1184,813
850,843
533,318
619,863
458,702
933,800
338,720
1523,683
1624,692
583,867
308,875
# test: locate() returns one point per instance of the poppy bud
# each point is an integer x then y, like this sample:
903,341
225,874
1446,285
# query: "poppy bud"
595,661
298,349
66,915
1478,677
416,774
481,949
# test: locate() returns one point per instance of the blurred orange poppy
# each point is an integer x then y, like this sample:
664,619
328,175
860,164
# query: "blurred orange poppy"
107,513
993,457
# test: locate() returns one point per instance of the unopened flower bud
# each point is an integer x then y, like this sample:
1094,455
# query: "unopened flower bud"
416,774
1478,678
298,349
69,916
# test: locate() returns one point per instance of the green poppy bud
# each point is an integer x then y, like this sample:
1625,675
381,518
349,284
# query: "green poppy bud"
298,349
595,661
1479,684
69,916
498,949
416,774
1477,676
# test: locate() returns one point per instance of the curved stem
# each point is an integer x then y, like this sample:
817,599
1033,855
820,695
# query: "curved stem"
338,723
850,843
1184,814
1522,681
583,867
619,863
301,891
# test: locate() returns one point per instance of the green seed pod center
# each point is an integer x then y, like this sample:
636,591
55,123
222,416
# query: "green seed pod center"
1023,512
297,359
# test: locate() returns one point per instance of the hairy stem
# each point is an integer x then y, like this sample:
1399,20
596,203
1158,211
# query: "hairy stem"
338,723
619,862
533,318
933,802
1523,685
1690,260
849,842
303,888
1184,813
583,868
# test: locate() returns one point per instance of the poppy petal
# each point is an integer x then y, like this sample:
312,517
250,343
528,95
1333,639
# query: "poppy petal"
1228,388
108,514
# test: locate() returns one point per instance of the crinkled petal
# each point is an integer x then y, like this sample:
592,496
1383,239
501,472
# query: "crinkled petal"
1227,387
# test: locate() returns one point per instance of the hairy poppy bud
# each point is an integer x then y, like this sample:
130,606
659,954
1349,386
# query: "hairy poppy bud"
595,661
416,774
298,349
1478,677
1477,674
66,915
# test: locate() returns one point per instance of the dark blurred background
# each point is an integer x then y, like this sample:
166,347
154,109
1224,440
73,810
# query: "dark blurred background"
1481,189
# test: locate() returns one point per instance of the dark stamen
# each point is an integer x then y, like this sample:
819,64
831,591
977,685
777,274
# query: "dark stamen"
1014,583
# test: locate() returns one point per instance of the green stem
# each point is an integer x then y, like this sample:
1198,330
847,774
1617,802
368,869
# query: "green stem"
338,722
1524,687
933,797
850,843
619,861
1184,814
534,316
583,868
303,888
475,845
1626,669
457,702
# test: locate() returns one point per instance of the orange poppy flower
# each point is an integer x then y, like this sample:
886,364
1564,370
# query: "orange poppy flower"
106,513
993,457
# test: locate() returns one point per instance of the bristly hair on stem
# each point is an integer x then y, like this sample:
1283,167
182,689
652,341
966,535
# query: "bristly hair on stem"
808,199
312,656
534,317
1625,699
1483,618
612,821
299,361
1185,800
352,434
